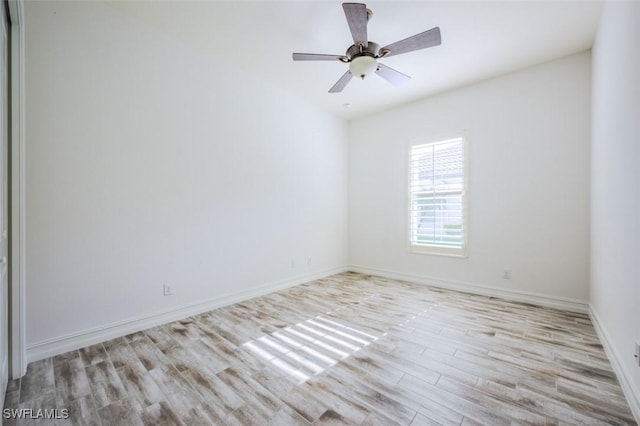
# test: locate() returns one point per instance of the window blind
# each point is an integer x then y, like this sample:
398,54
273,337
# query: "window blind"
437,196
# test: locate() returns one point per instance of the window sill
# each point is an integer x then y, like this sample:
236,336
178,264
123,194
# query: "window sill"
438,251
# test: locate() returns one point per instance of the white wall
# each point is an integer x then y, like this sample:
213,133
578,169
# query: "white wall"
528,184
148,163
615,188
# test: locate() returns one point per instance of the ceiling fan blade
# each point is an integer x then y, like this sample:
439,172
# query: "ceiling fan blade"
342,83
316,57
392,76
423,40
356,14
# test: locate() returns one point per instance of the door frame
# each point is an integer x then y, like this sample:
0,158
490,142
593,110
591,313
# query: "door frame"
16,161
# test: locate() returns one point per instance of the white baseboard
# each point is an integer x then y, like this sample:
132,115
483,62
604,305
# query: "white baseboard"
81,339
631,391
467,287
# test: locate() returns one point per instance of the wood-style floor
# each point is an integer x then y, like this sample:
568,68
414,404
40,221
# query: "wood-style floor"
348,349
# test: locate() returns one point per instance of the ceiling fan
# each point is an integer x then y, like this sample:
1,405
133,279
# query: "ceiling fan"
362,56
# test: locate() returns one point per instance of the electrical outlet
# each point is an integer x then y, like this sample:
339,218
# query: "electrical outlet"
167,290
506,274
637,355
308,261
293,264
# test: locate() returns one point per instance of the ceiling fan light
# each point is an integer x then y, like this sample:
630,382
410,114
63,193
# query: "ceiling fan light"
363,66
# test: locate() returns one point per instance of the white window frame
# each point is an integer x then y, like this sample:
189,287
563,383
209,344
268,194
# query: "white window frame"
435,249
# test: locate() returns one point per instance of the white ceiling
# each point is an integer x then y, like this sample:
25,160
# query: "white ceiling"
480,40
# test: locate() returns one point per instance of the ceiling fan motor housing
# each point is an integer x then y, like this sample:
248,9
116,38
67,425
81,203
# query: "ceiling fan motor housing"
371,49
362,59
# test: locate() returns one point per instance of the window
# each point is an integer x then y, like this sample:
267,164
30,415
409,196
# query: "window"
437,196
